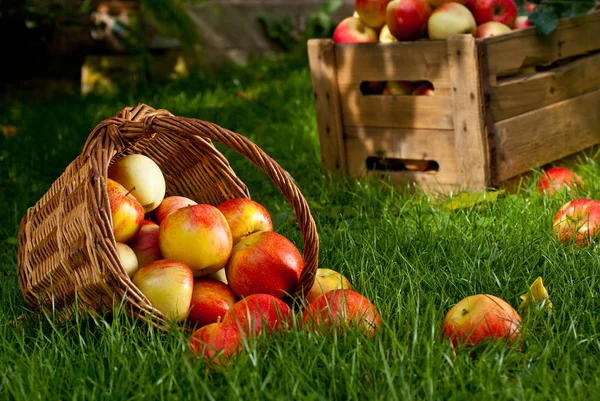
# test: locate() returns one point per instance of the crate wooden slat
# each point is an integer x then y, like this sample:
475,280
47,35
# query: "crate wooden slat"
488,121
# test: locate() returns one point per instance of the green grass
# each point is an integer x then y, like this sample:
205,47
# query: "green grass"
410,256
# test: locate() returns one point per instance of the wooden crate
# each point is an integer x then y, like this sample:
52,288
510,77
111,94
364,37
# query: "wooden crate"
486,123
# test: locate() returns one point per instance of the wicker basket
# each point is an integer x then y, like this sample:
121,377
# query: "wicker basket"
67,250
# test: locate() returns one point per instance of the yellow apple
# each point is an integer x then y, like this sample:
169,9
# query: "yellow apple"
142,177
128,258
451,19
325,281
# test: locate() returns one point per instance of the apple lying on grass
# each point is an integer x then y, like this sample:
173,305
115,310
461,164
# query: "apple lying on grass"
450,19
168,285
480,318
353,30
325,281
558,179
142,177
340,308
145,243
127,214
264,263
407,19
216,342
170,204
371,12
197,235
259,312
245,217
577,221
211,299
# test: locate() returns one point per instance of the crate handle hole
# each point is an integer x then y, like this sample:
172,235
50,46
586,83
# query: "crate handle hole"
397,88
378,163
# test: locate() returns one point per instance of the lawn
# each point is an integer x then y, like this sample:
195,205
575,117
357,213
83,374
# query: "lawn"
413,257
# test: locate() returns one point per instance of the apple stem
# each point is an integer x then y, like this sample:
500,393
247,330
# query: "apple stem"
130,191
464,312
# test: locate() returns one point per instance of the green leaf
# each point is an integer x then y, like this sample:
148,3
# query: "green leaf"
469,199
544,20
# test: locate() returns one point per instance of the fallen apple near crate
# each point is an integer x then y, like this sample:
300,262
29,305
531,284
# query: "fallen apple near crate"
68,257
502,105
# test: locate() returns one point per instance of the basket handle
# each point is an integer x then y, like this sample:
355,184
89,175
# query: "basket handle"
160,121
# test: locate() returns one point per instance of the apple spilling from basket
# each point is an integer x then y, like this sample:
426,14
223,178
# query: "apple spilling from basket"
220,269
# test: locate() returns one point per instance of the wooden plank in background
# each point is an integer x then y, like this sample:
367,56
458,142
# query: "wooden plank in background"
574,36
541,136
327,103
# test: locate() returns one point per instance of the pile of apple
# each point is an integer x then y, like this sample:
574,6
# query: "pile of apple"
222,270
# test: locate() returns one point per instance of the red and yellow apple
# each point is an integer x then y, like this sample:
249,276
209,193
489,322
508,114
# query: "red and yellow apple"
407,19
199,236
385,36
245,217
398,88
211,299
504,11
577,221
371,12
170,204
450,19
339,308
216,342
437,3
168,285
491,28
559,179
264,263
145,243
128,259
353,30
423,89
325,281
127,214
522,22
142,177
259,312
480,318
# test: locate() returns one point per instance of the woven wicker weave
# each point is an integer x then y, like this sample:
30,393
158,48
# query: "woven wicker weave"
67,250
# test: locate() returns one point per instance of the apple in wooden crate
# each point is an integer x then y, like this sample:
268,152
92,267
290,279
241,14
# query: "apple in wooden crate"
264,263
504,11
170,204
245,217
216,342
145,243
339,308
371,12
197,235
168,285
480,318
407,19
398,88
353,30
142,177
385,36
211,299
450,19
437,3
127,214
259,312
577,221
522,22
491,28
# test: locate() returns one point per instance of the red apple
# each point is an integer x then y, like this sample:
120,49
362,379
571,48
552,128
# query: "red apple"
371,12
504,11
325,281
211,299
522,22
127,214
407,19
264,263
170,204
450,19
437,3
339,308
479,318
491,28
168,285
216,342
259,312
145,243
128,259
142,177
577,221
245,217
398,88
558,179
423,89
353,30
197,235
